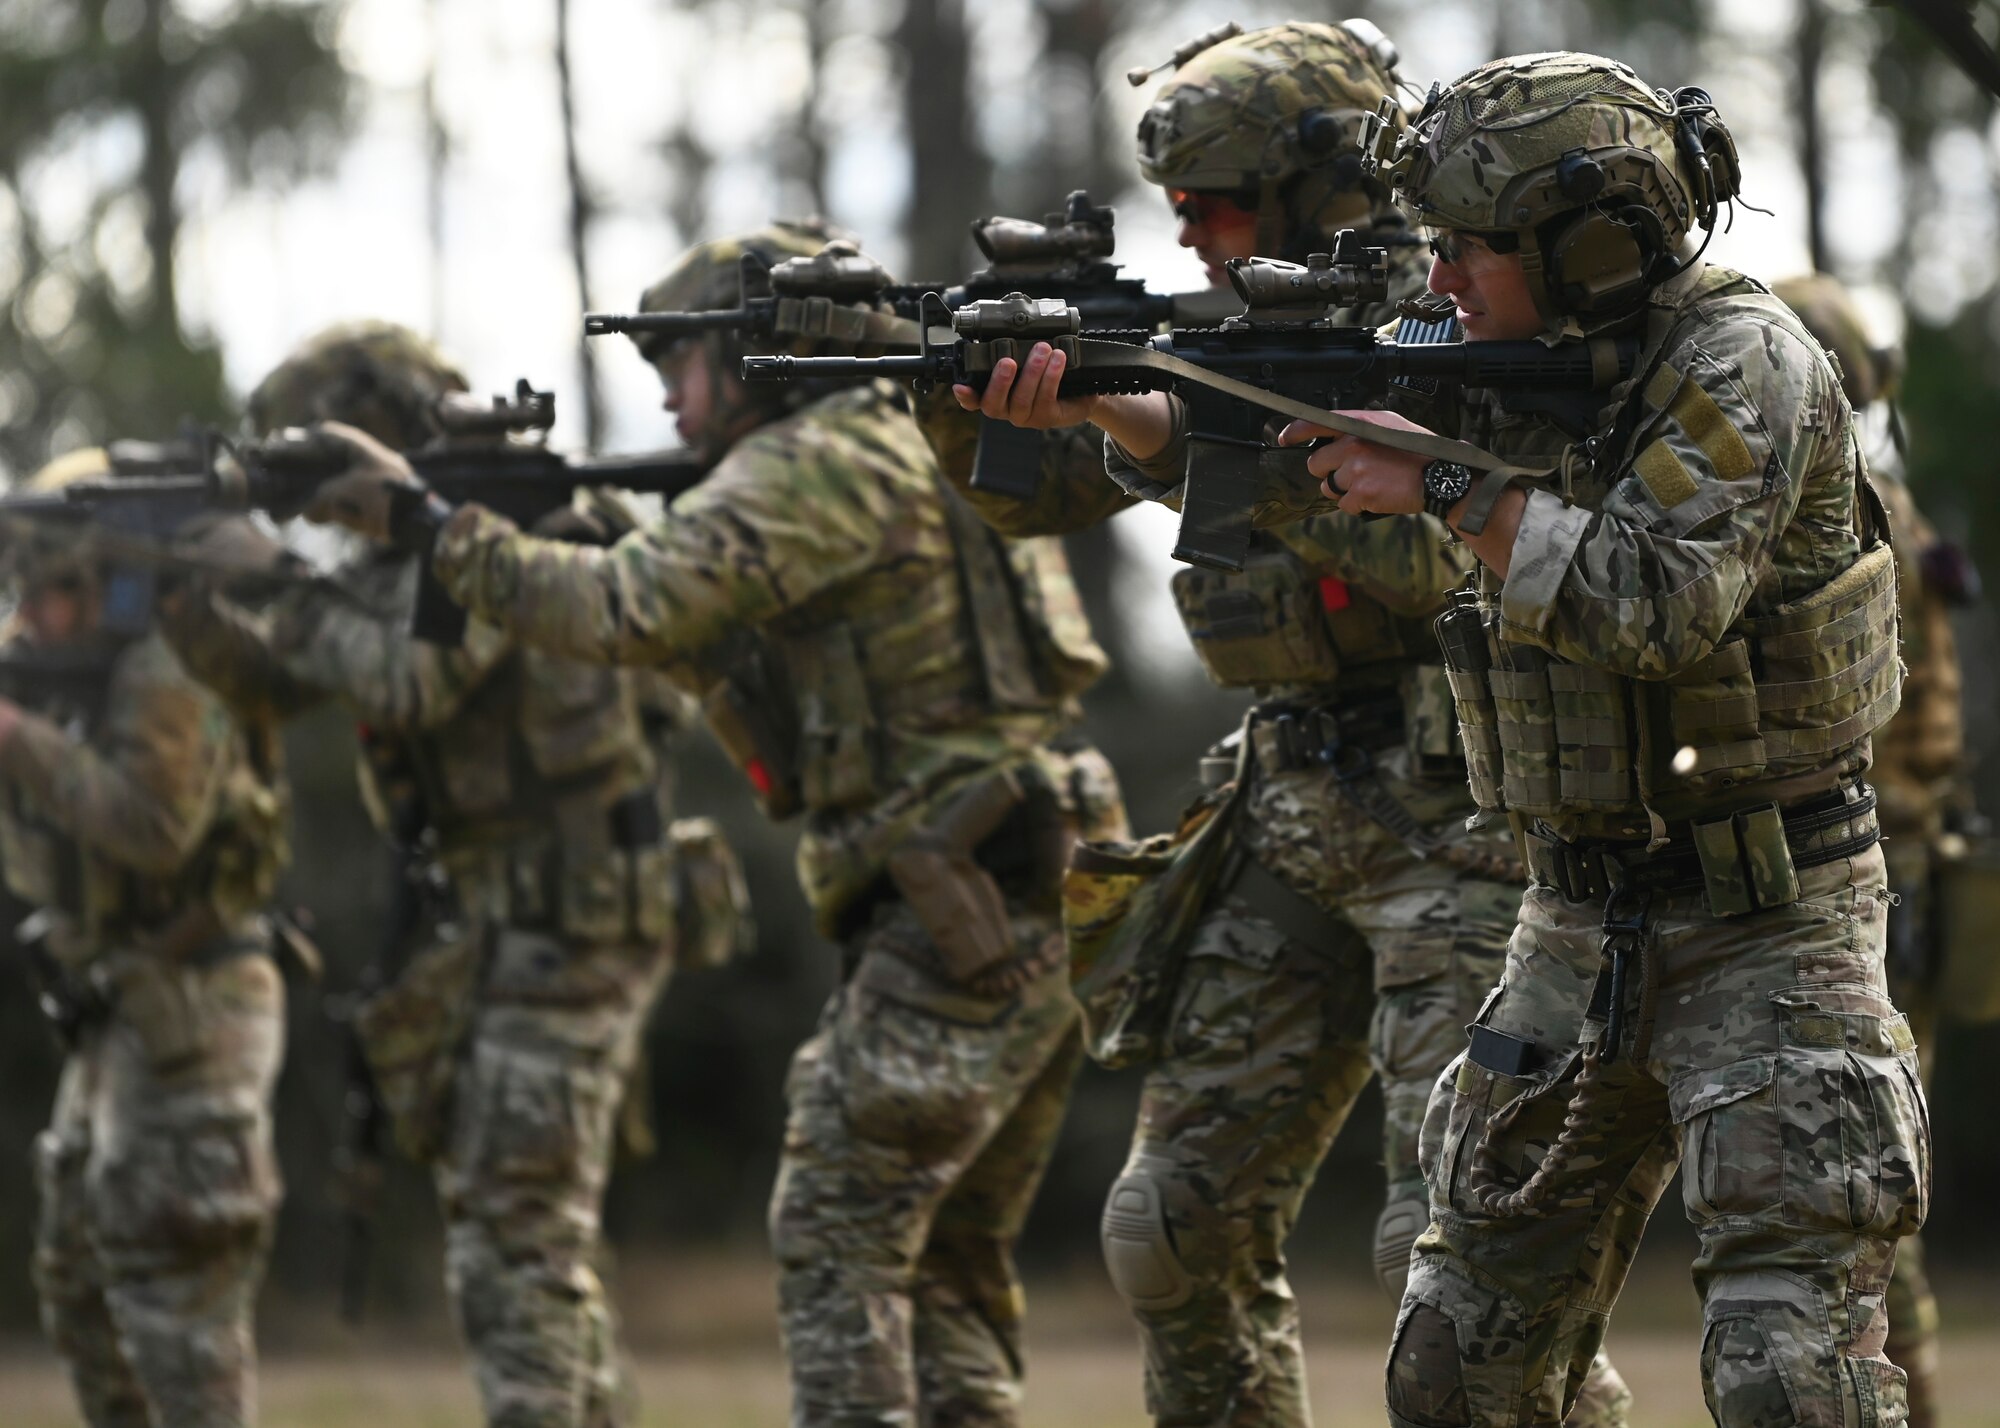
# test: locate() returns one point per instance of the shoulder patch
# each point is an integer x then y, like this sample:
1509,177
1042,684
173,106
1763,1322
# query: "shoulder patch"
1664,474
1710,430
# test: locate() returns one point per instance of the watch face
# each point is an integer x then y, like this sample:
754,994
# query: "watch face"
1445,484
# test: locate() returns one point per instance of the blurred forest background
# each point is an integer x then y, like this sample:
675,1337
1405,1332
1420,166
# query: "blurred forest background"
189,186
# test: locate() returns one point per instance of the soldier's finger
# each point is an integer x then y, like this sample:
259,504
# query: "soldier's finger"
1048,405
1298,433
1021,405
967,399
993,402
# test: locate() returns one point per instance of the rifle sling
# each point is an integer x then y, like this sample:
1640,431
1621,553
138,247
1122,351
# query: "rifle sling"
1424,444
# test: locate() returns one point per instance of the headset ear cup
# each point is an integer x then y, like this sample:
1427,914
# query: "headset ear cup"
1603,258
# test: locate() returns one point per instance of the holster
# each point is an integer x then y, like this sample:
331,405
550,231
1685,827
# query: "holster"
960,903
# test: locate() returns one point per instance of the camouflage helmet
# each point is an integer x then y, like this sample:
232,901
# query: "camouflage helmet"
1824,305
36,551
378,376
1275,117
709,276
1596,179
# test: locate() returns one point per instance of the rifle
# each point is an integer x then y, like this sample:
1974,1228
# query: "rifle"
841,292
478,456
1283,356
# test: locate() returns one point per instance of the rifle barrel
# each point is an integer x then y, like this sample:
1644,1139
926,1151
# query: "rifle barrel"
785,369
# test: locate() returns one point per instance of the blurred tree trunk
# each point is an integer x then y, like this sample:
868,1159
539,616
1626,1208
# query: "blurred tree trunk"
951,175
1810,57
582,208
437,158
808,156
153,96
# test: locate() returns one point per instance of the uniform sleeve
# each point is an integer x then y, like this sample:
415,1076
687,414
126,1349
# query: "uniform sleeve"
146,797
1072,492
781,519
230,649
390,679
1650,583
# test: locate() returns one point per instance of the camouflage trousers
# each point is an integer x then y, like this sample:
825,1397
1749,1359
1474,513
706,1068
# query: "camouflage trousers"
1272,1042
521,1181
1913,1309
1778,1063
921,1119
158,1186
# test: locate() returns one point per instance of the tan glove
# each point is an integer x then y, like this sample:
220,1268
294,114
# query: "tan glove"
376,493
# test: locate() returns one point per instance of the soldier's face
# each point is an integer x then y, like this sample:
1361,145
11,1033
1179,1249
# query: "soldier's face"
58,611
687,380
1217,227
1489,289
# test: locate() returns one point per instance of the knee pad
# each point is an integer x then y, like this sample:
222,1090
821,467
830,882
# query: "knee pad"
1426,1387
1139,1251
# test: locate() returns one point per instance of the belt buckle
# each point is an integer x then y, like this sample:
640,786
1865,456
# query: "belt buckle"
1348,761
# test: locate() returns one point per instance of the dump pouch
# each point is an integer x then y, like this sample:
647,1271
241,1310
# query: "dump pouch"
1129,910
959,903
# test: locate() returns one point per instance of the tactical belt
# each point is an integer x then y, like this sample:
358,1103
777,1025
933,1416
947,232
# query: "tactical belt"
531,877
1706,856
1344,740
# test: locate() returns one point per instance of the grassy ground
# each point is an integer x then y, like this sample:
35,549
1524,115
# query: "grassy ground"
706,1359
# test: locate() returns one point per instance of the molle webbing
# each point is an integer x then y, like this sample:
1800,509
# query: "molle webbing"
1784,696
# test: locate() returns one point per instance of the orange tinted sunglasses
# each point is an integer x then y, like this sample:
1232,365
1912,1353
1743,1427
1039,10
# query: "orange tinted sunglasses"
1207,207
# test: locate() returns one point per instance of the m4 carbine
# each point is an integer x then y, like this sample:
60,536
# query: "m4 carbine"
1282,357
492,454
841,292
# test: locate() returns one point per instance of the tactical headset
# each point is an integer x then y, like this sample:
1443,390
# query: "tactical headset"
1603,256
1607,243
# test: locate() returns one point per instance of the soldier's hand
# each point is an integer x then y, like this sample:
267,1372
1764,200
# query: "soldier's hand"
1024,393
376,492
1362,475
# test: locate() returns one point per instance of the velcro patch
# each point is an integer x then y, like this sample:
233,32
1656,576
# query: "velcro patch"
1664,475
1661,386
1710,430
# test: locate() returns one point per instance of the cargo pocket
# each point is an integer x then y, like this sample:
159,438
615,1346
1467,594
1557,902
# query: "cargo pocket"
1732,1164
191,1184
1856,1134
528,1116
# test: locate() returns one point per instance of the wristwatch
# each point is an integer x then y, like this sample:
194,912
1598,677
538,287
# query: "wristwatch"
1445,485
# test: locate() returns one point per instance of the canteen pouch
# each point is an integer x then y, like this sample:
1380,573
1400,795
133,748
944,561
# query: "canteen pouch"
712,911
1967,909
412,1033
1129,910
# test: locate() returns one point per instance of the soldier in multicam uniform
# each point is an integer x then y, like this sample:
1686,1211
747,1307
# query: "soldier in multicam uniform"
1919,763
1666,676
504,1051
1365,924
147,827
870,654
